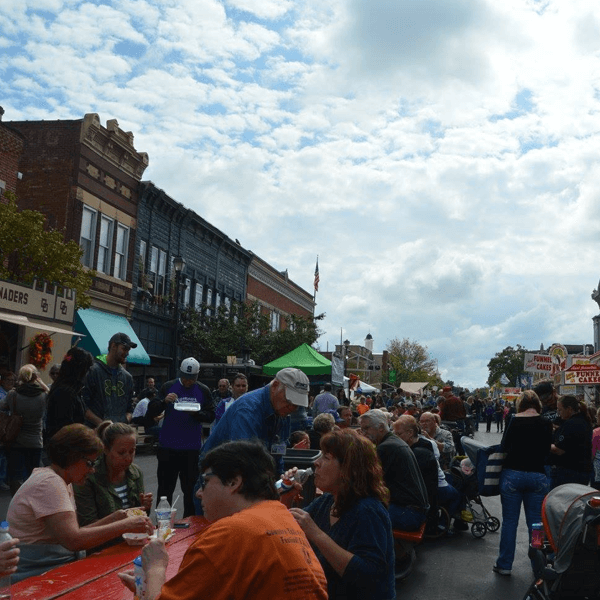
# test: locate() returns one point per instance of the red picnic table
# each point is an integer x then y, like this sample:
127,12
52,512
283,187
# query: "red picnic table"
96,576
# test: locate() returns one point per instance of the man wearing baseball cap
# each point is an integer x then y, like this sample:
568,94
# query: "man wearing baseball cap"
187,404
263,414
108,389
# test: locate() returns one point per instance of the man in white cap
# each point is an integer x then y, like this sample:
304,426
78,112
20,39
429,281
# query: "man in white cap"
187,404
263,414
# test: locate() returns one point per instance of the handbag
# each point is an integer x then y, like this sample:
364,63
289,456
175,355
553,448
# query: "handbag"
10,424
488,461
489,467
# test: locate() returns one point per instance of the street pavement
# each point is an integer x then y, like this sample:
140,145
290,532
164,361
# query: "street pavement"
457,568
460,568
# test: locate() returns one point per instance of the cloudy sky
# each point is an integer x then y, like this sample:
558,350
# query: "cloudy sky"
440,156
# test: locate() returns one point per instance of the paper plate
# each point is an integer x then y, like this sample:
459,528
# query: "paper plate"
187,406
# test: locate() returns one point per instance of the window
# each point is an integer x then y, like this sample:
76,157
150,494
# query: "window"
88,236
162,271
217,301
157,270
142,264
275,316
105,245
120,268
186,291
209,301
199,290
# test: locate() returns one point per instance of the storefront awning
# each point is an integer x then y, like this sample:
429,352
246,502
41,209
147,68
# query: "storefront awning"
100,327
35,324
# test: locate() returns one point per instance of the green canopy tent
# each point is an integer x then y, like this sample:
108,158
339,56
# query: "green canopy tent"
305,358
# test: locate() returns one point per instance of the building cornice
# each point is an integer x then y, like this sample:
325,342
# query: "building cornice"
266,277
113,144
159,201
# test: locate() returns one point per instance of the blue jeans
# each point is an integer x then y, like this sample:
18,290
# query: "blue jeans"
518,487
406,518
450,499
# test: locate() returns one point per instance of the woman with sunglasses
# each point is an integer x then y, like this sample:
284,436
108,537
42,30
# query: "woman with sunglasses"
42,512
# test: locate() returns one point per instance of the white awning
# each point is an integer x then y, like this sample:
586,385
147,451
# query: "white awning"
35,324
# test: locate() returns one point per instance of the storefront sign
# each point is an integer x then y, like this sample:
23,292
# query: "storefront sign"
43,300
558,353
538,363
582,375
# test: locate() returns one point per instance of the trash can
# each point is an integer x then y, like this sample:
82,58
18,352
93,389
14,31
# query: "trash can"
302,459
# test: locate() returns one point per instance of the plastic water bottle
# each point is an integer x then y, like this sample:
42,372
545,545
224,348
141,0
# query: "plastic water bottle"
285,484
140,579
5,591
163,516
537,535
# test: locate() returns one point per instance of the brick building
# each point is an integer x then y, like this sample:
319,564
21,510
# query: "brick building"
277,294
27,310
11,148
214,272
84,177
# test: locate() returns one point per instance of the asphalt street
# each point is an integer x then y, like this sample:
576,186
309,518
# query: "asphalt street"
457,568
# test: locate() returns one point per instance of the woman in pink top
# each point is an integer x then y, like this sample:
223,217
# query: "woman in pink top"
42,512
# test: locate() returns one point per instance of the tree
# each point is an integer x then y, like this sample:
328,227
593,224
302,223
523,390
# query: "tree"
411,362
509,361
28,251
242,330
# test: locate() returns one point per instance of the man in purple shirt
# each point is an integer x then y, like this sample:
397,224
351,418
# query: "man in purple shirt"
187,404
325,401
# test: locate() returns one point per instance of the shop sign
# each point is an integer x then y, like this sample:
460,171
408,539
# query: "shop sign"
538,363
558,353
38,300
582,375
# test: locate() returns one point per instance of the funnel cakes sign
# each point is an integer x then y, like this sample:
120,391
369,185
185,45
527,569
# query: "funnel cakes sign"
582,375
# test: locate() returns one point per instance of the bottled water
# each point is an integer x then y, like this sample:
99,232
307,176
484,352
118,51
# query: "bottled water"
285,484
5,591
163,516
140,579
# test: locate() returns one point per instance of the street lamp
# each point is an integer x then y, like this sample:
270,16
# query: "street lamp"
346,346
178,265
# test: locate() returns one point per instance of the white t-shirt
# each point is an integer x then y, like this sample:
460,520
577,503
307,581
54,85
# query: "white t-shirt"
43,494
140,408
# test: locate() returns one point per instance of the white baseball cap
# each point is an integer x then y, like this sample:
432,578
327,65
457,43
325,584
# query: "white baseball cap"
189,368
296,385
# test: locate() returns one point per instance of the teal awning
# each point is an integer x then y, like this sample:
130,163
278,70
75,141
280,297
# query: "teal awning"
99,327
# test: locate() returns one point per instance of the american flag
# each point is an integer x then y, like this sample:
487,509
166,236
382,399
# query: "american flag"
317,276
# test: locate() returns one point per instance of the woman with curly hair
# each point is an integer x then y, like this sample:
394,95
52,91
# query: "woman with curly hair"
349,526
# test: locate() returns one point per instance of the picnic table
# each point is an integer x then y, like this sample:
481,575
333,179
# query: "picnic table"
96,576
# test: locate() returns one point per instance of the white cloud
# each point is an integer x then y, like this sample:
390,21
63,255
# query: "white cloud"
440,156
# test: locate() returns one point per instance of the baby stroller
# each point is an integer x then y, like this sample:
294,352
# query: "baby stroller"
567,565
474,511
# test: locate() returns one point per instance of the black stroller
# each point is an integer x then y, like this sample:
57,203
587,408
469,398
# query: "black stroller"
474,512
567,566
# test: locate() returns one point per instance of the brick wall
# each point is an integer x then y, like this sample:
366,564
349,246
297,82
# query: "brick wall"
268,295
11,147
49,170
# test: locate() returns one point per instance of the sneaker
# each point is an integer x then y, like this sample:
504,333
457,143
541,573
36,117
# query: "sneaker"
500,571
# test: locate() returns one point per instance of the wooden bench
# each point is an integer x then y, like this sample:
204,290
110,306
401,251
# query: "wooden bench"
142,440
407,540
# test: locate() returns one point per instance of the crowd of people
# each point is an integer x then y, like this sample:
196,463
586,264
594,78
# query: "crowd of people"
384,463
